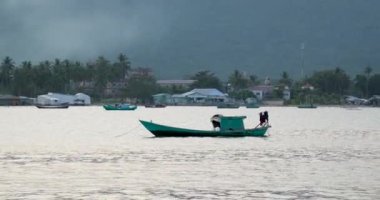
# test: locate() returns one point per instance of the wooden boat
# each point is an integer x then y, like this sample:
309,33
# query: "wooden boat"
53,106
226,127
123,106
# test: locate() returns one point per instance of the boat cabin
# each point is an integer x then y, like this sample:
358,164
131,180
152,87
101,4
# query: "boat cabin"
228,123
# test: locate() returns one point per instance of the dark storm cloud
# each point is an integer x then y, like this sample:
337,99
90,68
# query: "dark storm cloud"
177,37
45,29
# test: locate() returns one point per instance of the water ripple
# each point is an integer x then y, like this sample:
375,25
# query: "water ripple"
318,154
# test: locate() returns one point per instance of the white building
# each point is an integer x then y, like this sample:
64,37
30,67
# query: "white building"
56,98
286,93
262,91
203,95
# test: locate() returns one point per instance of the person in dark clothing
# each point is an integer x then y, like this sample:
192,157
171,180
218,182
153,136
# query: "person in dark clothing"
215,120
262,118
266,117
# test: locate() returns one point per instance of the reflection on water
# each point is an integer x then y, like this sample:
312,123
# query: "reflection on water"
89,153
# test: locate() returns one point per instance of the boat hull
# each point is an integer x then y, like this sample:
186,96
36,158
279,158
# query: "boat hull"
110,107
228,106
53,106
167,131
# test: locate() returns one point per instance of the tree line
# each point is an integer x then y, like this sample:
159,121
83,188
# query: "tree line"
61,76
66,76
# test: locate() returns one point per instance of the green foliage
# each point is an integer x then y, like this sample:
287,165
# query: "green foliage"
241,94
172,89
360,83
374,85
101,77
315,97
6,72
69,77
326,99
60,76
122,67
278,92
206,79
254,80
285,80
142,87
368,71
23,80
238,81
331,81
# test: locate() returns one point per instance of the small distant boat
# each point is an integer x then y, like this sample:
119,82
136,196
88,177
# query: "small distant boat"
252,105
308,105
122,106
53,106
224,126
155,106
228,105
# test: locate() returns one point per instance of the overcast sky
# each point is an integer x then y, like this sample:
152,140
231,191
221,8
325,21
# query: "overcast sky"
256,35
45,29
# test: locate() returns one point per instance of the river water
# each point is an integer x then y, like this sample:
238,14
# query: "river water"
90,153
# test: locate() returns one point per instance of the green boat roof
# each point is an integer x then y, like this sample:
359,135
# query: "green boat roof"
233,117
228,123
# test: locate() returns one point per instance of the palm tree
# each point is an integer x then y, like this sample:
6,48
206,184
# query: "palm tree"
7,69
206,79
285,80
238,81
124,64
23,80
253,79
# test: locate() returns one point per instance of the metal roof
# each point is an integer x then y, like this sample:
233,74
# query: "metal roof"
208,92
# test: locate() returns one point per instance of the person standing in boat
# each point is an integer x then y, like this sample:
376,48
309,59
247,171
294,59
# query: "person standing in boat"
262,119
266,117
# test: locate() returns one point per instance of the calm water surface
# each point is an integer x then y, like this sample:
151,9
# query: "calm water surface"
90,153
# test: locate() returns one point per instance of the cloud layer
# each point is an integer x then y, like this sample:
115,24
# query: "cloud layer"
177,37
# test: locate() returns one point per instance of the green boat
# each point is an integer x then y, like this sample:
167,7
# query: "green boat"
224,126
123,106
